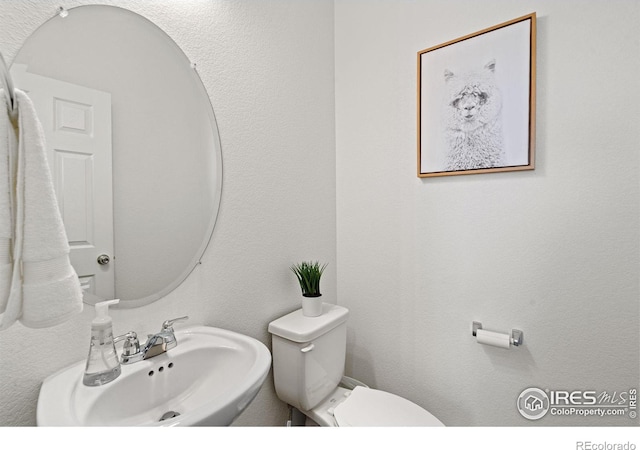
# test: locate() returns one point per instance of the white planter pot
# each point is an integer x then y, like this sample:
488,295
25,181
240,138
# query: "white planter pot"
312,306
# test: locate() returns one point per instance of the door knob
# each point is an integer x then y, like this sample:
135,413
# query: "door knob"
103,260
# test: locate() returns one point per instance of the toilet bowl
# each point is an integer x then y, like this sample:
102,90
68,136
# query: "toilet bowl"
308,364
365,407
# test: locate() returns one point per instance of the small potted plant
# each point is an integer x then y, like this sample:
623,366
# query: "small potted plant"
308,274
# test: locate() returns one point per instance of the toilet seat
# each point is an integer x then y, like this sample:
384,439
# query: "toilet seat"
373,408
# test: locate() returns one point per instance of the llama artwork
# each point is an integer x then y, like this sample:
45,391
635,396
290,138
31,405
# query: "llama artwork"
473,119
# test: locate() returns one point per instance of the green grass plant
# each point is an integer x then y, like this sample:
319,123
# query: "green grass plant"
308,274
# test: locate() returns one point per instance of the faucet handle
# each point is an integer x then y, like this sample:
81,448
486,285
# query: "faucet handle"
131,346
168,324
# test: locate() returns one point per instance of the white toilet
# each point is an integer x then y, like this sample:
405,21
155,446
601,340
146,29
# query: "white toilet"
308,365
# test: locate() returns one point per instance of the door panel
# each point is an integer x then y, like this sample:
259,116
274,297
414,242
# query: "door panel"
77,125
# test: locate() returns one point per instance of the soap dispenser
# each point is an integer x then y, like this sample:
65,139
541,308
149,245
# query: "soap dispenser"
102,363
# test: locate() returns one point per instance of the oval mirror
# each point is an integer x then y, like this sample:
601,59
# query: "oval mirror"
133,148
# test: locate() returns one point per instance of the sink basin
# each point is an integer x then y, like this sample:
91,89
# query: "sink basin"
208,379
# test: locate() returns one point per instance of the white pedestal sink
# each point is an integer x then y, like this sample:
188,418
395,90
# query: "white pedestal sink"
209,378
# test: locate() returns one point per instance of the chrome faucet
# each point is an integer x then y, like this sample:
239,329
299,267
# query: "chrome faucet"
156,344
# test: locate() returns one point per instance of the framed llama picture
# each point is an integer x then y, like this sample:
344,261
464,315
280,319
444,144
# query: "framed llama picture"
476,102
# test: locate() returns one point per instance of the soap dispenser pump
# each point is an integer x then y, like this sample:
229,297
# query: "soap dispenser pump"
103,365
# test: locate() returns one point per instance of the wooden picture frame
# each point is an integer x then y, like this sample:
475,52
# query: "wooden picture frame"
476,102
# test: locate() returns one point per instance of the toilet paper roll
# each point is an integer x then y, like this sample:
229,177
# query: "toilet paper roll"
492,338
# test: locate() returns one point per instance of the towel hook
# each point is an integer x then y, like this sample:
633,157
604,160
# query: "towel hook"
7,85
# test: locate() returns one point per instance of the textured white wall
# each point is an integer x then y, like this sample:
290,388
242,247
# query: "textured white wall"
553,252
268,68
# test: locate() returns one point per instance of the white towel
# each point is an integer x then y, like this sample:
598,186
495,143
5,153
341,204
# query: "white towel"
8,145
45,290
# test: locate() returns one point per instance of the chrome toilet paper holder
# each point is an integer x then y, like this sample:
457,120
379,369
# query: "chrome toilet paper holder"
517,336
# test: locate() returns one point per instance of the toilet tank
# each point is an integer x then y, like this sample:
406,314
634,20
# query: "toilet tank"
308,355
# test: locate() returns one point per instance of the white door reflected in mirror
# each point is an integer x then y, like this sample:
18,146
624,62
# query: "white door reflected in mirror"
77,126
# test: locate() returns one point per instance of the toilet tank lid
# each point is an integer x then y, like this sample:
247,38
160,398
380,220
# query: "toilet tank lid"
299,328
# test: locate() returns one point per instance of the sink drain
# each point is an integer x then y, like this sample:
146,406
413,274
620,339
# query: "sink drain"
169,415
